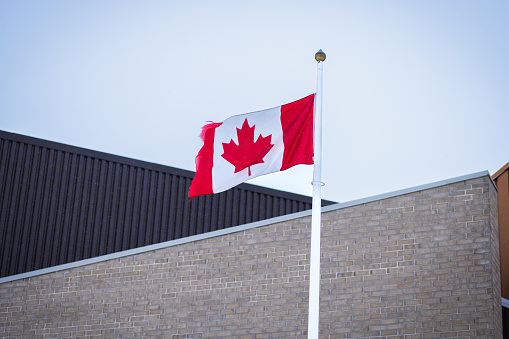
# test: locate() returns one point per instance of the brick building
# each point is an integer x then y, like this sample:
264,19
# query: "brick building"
417,263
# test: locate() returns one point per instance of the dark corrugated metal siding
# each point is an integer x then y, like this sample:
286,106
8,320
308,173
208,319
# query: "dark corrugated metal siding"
60,204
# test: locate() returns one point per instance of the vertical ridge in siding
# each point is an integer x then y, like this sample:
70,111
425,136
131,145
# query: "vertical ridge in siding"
37,206
172,218
83,207
129,214
42,227
16,200
179,217
214,215
165,210
6,211
91,212
155,208
22,207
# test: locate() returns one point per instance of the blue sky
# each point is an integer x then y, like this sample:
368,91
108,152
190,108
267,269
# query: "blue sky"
414,91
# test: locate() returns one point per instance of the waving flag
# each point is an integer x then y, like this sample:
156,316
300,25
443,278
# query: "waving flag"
249,145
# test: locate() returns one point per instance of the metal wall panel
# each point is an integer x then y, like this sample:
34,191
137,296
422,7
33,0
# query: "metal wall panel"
501,179
60,204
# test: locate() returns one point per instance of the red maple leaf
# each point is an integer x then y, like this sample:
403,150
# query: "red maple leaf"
248,152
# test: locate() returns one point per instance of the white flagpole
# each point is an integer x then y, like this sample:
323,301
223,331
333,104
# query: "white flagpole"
316,217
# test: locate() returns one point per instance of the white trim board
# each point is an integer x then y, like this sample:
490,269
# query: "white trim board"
505,303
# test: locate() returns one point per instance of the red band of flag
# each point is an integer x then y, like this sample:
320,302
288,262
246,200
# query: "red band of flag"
253,144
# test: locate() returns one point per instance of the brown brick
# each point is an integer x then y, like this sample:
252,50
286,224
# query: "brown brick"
402,267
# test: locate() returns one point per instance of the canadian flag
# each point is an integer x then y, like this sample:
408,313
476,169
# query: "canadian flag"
249,145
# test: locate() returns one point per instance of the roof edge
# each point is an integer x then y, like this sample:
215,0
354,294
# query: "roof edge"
239,228
407,190
500,171
144,164
505,303
94,153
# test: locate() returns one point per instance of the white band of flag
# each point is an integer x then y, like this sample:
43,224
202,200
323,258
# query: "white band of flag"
249,145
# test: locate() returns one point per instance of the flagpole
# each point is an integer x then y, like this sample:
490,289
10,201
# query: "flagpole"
316,217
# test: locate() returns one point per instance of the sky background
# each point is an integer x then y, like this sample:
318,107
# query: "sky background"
414,91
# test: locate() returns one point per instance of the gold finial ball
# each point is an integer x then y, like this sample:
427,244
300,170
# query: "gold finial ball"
320,56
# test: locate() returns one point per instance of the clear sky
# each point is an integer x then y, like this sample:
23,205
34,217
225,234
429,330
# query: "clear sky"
414,91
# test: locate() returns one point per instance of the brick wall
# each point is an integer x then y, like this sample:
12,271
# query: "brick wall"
418,265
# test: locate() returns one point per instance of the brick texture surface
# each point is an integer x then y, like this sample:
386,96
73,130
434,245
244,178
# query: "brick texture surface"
419,265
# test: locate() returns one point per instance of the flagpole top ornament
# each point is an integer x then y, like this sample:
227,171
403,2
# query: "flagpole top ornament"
320,56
